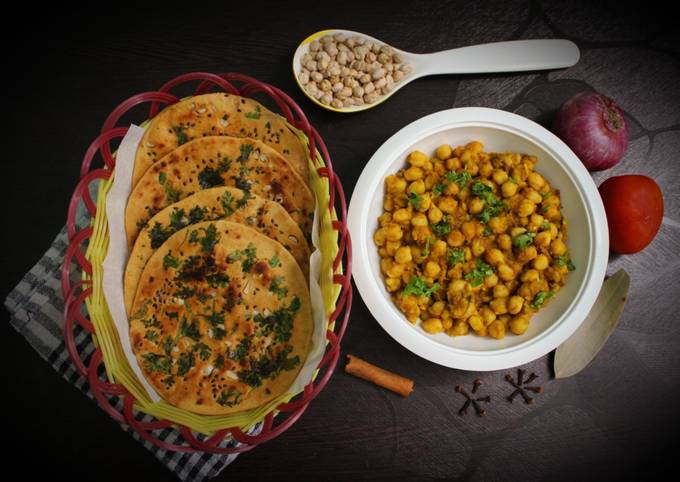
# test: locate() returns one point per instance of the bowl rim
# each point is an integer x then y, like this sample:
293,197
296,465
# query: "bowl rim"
423,345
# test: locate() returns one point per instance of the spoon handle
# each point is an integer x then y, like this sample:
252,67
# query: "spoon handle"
512,56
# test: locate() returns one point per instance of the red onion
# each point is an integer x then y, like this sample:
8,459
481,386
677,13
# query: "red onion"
593,126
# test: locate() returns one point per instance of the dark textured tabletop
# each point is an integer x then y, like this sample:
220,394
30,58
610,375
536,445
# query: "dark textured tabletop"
618,417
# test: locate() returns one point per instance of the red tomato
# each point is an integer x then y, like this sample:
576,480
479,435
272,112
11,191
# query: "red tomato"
634,206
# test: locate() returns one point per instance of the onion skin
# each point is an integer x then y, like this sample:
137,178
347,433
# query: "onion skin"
594,127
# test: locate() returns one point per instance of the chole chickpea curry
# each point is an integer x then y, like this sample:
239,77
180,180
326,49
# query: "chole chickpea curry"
216,286
471,241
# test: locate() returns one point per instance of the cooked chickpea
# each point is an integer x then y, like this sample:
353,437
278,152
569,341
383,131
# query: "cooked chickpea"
508,189
505,272
476,205
432,325
393,232
501,291
447,205
417,159
541,262
438,248
434,214
432,269
542,239
533,196
491,280
393,284
519,324
496,329
498,224
403,255
499,176
419,220
558,248
526,207
436,308
494,256
401,216
455,238
443,152
476,322
504,242
477,247
435,229
416,187
469,230
460,328
515,304
499,305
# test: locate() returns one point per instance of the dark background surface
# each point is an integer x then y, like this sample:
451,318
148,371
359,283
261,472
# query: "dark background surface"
617,418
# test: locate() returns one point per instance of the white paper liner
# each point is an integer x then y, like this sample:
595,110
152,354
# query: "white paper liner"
116,260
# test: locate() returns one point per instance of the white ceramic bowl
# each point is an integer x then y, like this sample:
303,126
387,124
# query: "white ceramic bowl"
588,240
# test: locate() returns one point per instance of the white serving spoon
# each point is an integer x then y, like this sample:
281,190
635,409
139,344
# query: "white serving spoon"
512,56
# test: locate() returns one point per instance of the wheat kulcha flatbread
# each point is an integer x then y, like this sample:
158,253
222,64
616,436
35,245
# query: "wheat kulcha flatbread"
217,114
219,161
228,203
222,319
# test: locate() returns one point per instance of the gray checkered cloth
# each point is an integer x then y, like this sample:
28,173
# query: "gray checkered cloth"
36,307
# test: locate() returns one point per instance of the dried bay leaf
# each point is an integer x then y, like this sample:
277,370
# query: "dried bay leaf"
578,351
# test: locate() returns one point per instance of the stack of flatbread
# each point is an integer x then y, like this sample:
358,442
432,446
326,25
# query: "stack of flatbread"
218,224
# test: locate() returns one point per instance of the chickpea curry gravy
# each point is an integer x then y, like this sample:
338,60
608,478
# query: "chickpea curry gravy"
471,241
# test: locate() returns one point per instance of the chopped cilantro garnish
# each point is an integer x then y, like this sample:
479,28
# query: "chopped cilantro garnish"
524,240
226,201
246,149
442,228
185,362
169,261
416,286
178,219
415,199
274,262
219,361
210,239
277,287
157,363
151,335
268,366
190,330
172,194
565,260
545,225
280,322
461,178
229,398
438,189
428,244
255,114
455,256
197,214
247,257
477,275
540,298
182,137
242,348
203,350
210,177
158,235
493,205
168,344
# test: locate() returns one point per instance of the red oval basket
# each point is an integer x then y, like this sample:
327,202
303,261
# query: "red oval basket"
75,293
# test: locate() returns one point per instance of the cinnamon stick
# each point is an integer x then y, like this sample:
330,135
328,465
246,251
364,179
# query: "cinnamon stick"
362,369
